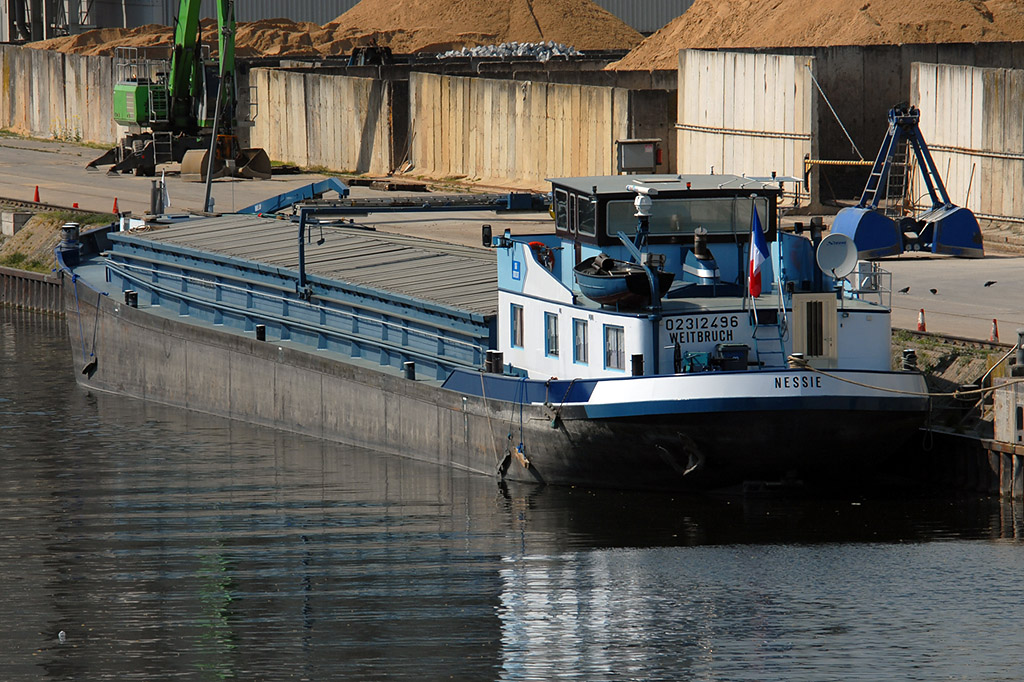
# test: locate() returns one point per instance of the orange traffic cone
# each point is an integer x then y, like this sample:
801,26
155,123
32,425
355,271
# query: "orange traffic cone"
920,321
994,337
115,211
36,199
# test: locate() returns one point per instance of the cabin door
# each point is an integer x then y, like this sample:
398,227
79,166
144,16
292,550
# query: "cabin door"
815,329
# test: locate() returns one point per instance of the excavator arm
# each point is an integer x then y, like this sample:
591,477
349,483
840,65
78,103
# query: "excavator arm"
188,86
185,78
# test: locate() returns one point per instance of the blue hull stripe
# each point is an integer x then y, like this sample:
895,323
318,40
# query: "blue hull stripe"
758,404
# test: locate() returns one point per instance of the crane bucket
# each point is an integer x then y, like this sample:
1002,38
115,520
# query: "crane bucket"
248,163
194,163
874,234
952,230
254,163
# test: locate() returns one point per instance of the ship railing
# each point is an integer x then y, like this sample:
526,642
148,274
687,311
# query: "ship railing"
869,282
474,351
130,66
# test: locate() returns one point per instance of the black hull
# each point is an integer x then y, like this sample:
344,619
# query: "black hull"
711,451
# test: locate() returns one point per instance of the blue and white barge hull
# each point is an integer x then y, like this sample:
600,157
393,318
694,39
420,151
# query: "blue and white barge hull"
493,361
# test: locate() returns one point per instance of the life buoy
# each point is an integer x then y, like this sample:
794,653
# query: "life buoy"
543,253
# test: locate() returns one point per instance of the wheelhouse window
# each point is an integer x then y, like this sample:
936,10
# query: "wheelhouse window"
681,216
587,216
551,335
579,342
614,347
561,209
517,326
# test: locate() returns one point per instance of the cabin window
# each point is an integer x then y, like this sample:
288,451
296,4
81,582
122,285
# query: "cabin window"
551,335
517,326
579,342
572,213
614,348
561,209
676,216
587,212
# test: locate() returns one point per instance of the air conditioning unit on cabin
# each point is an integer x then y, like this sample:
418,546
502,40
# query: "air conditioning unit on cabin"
816,329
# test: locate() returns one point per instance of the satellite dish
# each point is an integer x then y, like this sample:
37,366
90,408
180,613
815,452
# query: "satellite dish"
837,254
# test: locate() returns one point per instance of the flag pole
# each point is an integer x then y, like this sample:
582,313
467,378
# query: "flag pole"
750,255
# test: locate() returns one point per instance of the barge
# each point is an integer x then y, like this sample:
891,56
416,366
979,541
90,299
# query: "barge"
495,360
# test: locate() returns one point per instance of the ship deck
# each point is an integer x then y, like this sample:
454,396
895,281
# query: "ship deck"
461,277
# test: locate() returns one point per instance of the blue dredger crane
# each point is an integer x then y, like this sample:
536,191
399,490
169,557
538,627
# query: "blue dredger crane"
944,228
174,112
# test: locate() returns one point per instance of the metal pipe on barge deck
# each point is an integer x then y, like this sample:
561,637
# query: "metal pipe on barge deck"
302,289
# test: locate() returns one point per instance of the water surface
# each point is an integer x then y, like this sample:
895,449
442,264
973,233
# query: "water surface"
166,545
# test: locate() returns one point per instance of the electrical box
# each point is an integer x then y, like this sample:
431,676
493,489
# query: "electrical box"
638,156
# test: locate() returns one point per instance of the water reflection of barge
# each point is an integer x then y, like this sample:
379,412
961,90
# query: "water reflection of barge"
380,340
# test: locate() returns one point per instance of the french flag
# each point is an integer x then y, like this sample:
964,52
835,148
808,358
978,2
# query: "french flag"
758,255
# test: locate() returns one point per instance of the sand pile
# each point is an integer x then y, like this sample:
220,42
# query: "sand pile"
406,26
276,38
440,25
103,41
270,38
822,23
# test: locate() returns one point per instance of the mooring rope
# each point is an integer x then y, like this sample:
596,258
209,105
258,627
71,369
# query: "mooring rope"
78,310
568,388
801,363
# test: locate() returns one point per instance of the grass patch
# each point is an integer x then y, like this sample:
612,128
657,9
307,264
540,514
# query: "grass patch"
80,218
20,261
11,135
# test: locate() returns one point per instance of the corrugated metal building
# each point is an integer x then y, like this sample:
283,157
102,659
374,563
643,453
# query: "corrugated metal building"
36,19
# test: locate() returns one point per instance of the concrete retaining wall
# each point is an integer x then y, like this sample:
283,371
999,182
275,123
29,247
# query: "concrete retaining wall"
973,122
861,83
745,113
506,130
741,111
331,121
53,95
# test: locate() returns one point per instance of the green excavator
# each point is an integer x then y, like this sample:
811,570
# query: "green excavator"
183,110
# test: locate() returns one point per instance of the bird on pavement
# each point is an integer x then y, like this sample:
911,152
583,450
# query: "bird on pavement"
934,291
905,290
990,282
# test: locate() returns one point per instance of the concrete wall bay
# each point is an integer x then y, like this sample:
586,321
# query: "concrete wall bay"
338,122
972,119
861,84
505,131
57,96
745,114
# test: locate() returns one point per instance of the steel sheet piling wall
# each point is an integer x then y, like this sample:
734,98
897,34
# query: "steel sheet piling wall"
973,122
30,290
